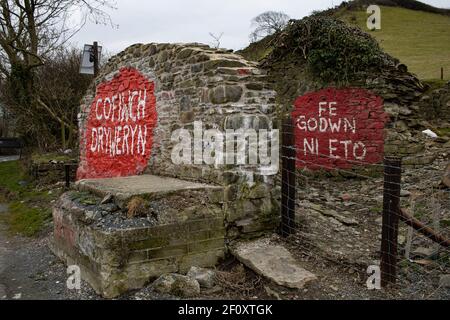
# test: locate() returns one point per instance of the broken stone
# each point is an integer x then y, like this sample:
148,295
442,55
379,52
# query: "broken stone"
401,126
107,199
405,194
423,262
272,293
204,277
110,207
423,252
177,285
392,109
225,94
342,219
93,215
273,262
430,134
401,240
404,111
346,197
446,179
444,281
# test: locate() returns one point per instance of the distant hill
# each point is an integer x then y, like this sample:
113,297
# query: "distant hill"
419,39
416,33
405,4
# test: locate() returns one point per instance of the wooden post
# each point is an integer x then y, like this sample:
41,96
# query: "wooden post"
288,194
96,62
391,207
67,175
442,73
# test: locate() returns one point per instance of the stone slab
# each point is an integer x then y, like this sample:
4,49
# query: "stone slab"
274,262
149,186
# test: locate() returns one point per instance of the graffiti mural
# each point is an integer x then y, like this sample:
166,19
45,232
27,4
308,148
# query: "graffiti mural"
119,131
339,128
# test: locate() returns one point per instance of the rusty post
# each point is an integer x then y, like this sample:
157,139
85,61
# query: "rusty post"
391,207
288,154
423,229
442,73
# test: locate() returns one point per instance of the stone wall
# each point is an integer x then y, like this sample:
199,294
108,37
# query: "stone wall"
404,96
146,93
116,260
188,83
436,104
399,91
339,129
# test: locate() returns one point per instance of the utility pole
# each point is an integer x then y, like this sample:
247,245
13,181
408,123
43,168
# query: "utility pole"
95,54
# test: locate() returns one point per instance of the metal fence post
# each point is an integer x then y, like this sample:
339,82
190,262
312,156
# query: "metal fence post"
288,154
391,207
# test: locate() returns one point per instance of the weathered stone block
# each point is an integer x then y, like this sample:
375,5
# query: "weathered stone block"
225,94
123,259
223,63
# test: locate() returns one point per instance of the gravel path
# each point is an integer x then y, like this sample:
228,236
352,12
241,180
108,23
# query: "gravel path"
29,270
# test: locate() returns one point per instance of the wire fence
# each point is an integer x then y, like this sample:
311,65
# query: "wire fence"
369,223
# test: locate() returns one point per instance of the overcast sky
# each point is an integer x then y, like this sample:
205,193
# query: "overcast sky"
144,21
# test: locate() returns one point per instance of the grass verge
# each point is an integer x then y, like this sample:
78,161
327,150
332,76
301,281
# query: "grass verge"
29,209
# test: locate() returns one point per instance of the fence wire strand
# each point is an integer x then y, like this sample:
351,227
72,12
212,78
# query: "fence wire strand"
411,264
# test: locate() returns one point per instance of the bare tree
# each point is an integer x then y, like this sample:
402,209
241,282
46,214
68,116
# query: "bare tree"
60,87
31,34
268,23
217,39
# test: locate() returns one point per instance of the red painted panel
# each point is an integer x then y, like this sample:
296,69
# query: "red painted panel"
339,128
119,132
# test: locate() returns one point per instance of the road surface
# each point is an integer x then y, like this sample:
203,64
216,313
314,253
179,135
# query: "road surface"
8,158
29,270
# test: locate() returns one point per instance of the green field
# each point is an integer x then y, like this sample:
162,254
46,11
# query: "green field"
421,40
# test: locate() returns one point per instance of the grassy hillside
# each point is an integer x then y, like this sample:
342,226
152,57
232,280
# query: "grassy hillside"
406,4
421,40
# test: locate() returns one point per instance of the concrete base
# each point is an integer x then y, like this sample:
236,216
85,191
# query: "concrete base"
189,231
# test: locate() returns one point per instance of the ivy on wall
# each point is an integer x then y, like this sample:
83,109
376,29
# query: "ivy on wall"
331,50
